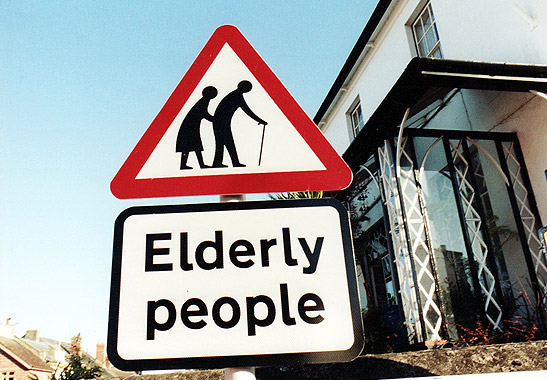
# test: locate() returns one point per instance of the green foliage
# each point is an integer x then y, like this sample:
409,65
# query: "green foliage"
298,195
77,369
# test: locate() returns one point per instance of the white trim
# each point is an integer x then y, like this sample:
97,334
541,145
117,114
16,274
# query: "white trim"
540,94
485,76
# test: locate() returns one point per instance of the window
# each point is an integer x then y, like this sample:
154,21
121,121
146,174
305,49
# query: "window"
356,119
426,36
4,375
379,263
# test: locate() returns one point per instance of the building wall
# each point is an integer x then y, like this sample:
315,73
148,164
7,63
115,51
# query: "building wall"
513,31
466,31
530,123
493,30
8,365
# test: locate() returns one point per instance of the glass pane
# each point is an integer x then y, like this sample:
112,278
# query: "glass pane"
357,119
447,240
430,11
435,32
422,49
354,119
379,285
527,217
418,30
505,240
358,112
390,294
426,19
437,53
387,266
363,201
363,299
431,39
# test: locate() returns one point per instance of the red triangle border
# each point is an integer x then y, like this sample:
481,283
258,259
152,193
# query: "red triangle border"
337,175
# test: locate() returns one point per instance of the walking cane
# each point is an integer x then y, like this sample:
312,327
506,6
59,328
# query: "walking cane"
261,144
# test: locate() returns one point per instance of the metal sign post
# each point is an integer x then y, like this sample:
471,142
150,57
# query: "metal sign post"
240,373
243,373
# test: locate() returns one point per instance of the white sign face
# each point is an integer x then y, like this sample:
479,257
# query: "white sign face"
233,284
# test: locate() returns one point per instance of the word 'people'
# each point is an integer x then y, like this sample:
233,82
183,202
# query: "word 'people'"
189,137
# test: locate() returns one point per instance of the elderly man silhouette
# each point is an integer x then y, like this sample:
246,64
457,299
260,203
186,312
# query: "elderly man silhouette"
222,124
189,138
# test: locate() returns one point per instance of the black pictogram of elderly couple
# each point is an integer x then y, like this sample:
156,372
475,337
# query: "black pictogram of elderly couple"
189,137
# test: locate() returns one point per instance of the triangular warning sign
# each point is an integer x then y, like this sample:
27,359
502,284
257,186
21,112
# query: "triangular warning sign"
230,127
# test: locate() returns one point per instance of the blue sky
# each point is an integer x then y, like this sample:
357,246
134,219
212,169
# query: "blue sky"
80,83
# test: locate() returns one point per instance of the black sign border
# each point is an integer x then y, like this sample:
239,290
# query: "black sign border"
211,362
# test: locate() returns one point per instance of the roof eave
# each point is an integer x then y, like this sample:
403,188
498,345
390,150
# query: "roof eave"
354,59
422,74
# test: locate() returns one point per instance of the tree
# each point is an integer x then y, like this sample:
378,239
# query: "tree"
298,195
77,369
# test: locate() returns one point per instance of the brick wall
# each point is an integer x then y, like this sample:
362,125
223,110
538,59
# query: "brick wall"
8,365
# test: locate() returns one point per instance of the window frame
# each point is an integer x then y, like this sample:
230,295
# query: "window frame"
356,124
7,374
421,43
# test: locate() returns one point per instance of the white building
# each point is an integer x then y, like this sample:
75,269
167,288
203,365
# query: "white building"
441,112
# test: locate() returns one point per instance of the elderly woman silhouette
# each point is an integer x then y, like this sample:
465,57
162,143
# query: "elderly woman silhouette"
189,138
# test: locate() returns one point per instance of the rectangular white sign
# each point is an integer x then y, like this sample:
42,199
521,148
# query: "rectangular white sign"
233,284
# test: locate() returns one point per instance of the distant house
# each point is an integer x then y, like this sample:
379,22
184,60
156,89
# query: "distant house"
55,353
17,362
33,356
441,112
49,350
